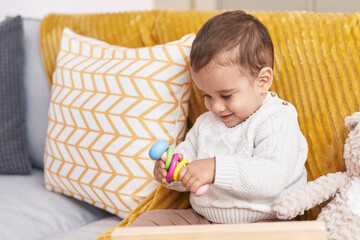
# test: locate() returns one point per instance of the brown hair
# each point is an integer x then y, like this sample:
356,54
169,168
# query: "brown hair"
241,35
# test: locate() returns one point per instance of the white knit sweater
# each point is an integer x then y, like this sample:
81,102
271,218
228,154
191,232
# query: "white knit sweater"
256,161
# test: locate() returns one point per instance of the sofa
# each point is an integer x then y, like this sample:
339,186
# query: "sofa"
28,210
317,62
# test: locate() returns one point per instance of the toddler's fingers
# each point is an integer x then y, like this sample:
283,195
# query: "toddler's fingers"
160,172
160,176
163,157
189,185
164,181
194,187
181,173
163,173
158,168
161,164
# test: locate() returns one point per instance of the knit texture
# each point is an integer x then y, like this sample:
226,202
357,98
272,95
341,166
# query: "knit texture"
256,161
13,149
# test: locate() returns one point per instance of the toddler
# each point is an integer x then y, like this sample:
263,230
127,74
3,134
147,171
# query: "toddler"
248,146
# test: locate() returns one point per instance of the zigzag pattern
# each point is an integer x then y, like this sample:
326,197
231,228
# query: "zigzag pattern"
108,106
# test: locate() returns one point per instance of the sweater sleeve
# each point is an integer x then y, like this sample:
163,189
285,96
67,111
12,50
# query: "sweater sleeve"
188,148
278,158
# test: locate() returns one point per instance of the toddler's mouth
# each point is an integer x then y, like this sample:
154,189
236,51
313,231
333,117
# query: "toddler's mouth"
226,117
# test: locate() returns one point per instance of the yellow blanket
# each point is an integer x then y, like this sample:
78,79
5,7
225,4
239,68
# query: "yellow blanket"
317,68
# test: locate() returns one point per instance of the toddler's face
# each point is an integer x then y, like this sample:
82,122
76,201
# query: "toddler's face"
230,95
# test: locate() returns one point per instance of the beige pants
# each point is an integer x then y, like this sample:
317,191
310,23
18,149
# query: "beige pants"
170,217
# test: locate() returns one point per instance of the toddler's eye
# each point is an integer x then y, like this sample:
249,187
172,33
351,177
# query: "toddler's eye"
226,96
206,95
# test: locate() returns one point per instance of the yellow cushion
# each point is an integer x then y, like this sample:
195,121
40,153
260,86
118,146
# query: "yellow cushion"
128,29
108,105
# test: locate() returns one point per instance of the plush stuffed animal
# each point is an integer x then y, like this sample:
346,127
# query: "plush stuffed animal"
342,213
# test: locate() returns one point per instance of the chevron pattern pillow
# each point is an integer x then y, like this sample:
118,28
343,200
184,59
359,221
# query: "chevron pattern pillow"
109,104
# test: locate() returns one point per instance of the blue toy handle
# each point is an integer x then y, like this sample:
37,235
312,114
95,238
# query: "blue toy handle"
158,149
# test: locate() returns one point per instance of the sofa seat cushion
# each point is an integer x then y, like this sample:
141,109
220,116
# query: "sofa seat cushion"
89,231
28,211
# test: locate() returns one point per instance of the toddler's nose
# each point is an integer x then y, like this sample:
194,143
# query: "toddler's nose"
217,106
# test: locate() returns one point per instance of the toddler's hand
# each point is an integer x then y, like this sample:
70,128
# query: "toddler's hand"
160,171
197,173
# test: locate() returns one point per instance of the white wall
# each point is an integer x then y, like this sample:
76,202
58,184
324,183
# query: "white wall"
337,5
39,8
273,5
206,5
296,5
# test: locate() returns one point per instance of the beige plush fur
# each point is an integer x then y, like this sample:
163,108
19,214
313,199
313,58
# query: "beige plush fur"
342,213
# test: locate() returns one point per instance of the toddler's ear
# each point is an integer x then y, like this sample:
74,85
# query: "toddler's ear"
265,79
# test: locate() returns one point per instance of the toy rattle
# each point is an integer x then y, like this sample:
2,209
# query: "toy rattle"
171,164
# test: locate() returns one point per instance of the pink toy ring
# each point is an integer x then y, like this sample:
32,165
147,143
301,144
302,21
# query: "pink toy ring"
174,162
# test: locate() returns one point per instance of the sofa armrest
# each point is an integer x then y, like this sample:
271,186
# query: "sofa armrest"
310,230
